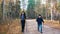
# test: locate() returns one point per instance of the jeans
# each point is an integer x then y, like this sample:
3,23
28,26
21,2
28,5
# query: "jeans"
40,28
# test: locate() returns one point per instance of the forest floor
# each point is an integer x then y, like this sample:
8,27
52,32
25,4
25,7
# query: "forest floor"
54,24
14,27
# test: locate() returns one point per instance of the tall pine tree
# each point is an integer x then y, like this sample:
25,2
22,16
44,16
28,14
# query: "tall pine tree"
30,9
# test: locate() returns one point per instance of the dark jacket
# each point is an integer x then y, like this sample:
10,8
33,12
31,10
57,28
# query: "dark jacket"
39,20
24,16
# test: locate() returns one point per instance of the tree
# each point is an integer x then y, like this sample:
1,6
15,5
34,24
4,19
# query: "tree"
1,13
30,9
58,9
17,8
37,7
14,9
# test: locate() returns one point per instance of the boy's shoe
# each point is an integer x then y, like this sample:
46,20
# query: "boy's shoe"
22,31
41,32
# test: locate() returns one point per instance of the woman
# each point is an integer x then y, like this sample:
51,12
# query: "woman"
23,17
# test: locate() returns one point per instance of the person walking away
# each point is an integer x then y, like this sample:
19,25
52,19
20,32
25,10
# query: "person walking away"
23,17
39,22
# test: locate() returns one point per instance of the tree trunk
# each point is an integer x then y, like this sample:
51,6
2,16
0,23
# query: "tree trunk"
3,8
59,18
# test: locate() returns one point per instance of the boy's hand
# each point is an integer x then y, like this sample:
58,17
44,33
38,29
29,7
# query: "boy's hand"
43,22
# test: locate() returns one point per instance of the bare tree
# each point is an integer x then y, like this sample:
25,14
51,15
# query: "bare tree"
3,8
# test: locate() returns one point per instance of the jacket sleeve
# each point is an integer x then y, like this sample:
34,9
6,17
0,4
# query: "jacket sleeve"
37,19
25,16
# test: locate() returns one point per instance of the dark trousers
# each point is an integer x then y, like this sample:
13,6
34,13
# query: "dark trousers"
23,25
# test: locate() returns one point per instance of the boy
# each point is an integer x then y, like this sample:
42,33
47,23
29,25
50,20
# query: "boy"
39,22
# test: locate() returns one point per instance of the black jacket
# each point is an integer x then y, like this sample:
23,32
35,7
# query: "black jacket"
39,20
